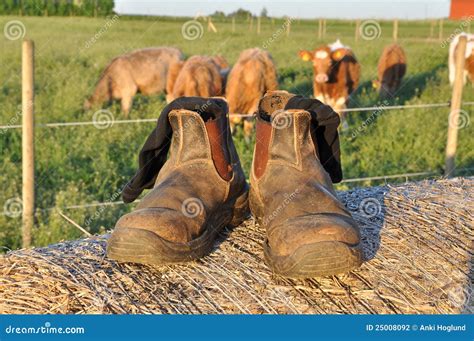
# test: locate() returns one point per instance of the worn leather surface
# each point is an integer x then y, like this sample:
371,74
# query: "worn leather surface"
293,198
196,184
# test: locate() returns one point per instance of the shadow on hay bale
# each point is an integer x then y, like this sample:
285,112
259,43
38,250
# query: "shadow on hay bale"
417,241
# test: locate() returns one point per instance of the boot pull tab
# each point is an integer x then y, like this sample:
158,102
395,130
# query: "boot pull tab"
324,124
154,152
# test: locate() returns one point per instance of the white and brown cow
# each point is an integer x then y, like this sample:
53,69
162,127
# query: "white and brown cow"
391,68
336,73
469,63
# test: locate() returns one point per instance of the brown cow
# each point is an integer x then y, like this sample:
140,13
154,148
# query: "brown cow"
336,74
252,76
390,70
143,71
198,76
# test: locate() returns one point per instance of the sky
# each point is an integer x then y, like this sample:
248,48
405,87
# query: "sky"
342,9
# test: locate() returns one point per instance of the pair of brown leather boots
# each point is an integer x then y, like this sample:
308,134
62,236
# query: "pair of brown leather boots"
200,188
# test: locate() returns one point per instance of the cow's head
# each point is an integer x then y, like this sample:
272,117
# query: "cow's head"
323,60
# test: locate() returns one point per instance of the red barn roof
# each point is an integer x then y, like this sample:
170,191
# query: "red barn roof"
461,9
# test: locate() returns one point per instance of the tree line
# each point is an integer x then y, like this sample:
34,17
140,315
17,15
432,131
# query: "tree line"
89,8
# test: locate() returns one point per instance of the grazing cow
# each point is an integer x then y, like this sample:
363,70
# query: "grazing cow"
143,71
252,76
198,76
390,70
469,63
336,74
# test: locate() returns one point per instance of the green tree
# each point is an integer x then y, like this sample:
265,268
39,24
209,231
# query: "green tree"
241,13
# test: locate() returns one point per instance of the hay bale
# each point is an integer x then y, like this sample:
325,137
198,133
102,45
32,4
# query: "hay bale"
417,242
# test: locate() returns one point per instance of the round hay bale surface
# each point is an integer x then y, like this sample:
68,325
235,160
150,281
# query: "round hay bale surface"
417,241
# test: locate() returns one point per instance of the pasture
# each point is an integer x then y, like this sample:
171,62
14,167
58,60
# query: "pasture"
83,165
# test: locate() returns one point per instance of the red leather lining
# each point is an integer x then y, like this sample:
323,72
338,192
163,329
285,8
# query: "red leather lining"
217,132
264,133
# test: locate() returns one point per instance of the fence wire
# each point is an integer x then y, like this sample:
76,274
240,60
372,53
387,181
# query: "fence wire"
145,120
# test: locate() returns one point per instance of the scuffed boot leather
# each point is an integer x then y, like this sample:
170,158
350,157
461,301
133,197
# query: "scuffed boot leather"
197,191
309,232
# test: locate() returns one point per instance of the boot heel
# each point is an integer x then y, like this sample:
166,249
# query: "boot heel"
241,209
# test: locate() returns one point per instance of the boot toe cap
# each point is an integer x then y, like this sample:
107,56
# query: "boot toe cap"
166,223
286,238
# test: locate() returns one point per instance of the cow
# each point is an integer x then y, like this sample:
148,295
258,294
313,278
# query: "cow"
143,71
251,77
469,63
336,74
390,70
202,76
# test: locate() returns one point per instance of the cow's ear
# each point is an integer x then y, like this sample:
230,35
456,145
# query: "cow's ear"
337,55
305,55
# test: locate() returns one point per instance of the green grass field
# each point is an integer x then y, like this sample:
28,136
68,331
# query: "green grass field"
83,165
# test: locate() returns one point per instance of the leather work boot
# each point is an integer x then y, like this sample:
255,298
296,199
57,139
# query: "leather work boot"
197,191
308,230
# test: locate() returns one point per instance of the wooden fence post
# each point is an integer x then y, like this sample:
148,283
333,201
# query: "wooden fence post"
233,24
28,152
432,26
356,37
210,25
288,26
320,29
395,30
258,25
324,28
440,29
251,24
456,99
